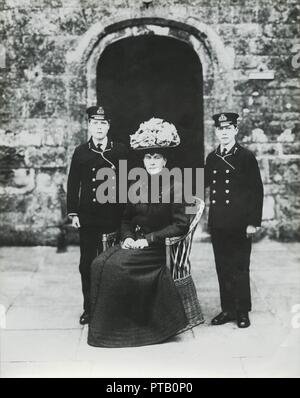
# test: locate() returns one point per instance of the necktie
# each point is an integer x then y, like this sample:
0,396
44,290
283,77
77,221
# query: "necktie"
224,152
99,148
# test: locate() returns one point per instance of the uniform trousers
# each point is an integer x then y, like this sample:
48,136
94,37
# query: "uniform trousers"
90,247
232,251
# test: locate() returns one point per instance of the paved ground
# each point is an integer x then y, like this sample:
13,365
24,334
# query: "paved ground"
40,291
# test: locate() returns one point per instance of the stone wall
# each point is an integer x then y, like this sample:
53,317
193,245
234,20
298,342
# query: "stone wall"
46,81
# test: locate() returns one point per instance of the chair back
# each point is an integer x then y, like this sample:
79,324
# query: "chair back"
178,249
109,240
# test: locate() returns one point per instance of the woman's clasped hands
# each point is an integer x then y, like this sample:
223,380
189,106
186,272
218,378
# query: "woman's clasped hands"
130,243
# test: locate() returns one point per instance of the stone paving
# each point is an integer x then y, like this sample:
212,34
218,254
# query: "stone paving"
41,337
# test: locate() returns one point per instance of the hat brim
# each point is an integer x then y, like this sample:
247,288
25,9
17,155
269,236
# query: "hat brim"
155,147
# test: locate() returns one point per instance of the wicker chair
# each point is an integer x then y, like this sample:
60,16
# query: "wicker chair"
178,251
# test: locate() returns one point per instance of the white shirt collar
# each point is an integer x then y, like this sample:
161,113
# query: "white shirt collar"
227,147
103,144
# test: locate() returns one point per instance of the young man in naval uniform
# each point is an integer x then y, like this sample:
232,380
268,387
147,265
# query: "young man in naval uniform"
88,215
235,213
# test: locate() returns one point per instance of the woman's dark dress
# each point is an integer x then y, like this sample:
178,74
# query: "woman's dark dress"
134,300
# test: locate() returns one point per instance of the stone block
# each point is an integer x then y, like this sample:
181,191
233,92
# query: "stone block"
274,129
6,176
52,55
49,181
271,189
18,138
11,157
53,157
263,164
286,136
45,214
293,83
32,3
291,148
36,132
285,170
14,202
17,182
265,149
40,99
24,178
287,231
269,208
242,13
72,21
248,61
288,31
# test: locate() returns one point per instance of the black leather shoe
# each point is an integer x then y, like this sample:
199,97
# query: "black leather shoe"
243,320
85,318
222,318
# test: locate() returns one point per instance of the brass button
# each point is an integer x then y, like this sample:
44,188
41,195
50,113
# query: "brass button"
94,179
214,181
213,201
227,181
214,191
227,171
94,200
227,201
227,190
94,189
215,171
93,169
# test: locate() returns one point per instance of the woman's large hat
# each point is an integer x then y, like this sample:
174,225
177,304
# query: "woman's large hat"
155,134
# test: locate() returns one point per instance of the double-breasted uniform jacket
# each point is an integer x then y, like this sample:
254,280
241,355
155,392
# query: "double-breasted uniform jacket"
82,184
236,189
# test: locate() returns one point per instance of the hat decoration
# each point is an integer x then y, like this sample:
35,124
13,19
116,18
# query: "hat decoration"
95,112
155,133
225,119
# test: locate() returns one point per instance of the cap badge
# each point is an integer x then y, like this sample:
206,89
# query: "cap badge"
222,118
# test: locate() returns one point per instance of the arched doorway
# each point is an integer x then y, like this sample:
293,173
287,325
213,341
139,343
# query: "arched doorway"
150,75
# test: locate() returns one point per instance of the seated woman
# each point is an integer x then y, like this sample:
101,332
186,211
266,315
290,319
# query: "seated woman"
134,300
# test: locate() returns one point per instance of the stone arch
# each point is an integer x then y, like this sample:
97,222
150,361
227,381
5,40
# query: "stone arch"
217,63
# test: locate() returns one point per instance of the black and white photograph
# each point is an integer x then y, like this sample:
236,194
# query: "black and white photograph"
149,191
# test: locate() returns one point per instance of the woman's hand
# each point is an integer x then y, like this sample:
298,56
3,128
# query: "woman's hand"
141,243
128,243
75,222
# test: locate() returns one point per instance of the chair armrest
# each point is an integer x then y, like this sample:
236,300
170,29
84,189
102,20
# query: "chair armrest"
111,235
173,240
109,239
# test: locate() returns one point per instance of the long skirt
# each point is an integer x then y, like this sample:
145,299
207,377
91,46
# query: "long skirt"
134,300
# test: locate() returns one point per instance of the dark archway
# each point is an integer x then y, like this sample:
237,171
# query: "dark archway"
145,76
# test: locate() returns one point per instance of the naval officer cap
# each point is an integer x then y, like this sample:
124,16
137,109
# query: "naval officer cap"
225,119
97,113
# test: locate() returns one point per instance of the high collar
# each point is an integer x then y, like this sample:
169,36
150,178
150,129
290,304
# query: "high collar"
106,144
231,149
103,143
